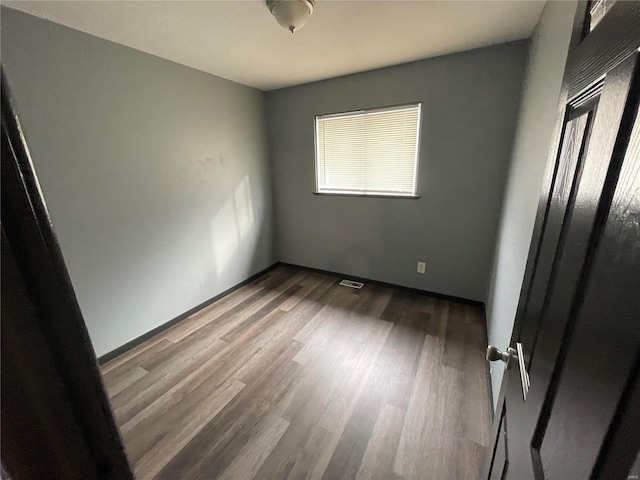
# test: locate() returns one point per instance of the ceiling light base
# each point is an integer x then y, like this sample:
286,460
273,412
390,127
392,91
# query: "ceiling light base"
291,14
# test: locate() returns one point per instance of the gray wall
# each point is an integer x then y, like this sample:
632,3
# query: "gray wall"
550,44
470,106
156,175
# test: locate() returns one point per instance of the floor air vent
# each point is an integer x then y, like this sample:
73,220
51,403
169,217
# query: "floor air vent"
352,284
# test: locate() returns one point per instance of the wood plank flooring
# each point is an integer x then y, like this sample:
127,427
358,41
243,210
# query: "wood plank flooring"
294,376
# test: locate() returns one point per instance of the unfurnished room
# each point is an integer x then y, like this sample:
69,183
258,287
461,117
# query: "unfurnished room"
322,239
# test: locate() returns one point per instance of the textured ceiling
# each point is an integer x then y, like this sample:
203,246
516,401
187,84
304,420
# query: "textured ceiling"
241,41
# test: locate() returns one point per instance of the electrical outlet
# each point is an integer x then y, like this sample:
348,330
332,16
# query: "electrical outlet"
421,267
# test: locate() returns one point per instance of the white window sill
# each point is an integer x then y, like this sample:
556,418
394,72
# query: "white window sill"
371,195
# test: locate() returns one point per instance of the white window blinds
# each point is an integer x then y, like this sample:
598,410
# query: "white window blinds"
371,152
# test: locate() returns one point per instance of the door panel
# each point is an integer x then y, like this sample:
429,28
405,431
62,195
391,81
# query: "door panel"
594,373
578,317
564,294
43,325
500,461
563,193
574,247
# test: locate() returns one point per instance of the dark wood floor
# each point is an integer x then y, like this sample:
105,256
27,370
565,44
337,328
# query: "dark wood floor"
293,376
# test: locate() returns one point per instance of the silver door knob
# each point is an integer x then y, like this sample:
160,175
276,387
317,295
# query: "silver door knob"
494,354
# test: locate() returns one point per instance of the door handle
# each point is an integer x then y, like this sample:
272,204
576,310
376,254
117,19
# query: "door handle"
494,354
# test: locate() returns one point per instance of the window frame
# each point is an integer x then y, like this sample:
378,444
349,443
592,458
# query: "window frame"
371,194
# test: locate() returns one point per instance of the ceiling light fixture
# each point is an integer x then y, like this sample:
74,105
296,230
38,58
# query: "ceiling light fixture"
291,14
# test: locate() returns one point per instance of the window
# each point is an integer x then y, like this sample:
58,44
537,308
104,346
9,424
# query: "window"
368,152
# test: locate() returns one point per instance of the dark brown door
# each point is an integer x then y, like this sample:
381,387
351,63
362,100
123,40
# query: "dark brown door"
56,422
569,406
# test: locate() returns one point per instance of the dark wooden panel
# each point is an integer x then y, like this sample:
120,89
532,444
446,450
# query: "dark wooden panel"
595,372
38,258
560,206
500,464
39,436
623,439
608,45
555,325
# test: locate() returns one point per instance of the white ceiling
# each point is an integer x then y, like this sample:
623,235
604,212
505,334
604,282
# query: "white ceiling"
241,41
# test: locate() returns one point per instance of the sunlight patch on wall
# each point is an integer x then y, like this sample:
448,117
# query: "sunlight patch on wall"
244,208
232,225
